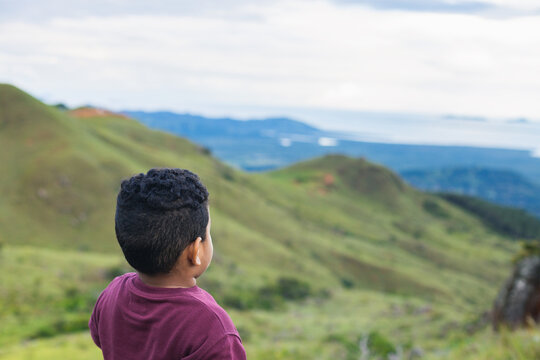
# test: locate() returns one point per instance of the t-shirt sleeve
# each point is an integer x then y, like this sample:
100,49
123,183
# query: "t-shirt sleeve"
93,322
229,347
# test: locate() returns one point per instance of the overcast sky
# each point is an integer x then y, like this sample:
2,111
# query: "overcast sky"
239,57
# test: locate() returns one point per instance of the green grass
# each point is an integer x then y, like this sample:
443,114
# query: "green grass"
375,254
47,292
73,346
519,345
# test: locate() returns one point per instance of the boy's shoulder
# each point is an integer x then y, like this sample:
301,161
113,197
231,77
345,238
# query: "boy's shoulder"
184,320
206,303
181,302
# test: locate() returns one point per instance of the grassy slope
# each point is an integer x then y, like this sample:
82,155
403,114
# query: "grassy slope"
330,221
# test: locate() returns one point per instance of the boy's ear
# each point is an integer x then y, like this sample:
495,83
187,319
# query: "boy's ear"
193,255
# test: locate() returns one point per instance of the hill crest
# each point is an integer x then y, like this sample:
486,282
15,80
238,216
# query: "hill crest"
354,174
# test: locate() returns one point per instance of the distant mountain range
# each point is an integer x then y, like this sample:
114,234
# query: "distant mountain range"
504,176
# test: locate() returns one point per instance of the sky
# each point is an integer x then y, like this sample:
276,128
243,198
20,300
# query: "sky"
298,58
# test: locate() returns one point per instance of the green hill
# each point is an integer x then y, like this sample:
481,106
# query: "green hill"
371,254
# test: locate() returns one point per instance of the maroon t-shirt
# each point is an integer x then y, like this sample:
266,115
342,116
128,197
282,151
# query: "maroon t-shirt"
132,320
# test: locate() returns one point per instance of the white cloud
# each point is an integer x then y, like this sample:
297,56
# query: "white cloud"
293,53
510,4
526,5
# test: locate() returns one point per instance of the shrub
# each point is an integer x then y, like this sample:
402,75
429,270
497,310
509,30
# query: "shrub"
205,150
269,297
62,325
347,283
75,301
293,289
531,248
351,347
242,301
379,345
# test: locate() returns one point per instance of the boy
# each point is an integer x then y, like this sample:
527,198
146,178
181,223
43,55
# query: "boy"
162,224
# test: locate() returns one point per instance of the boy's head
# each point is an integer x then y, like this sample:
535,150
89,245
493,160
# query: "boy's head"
158,215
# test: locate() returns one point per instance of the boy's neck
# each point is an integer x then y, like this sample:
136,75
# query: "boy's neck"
170,280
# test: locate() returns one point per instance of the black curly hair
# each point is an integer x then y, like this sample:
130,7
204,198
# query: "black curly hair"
158,215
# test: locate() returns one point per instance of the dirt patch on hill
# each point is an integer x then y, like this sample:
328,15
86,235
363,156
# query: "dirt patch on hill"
87,112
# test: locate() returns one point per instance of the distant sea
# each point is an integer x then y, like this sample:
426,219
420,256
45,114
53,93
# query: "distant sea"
510,134
405,128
